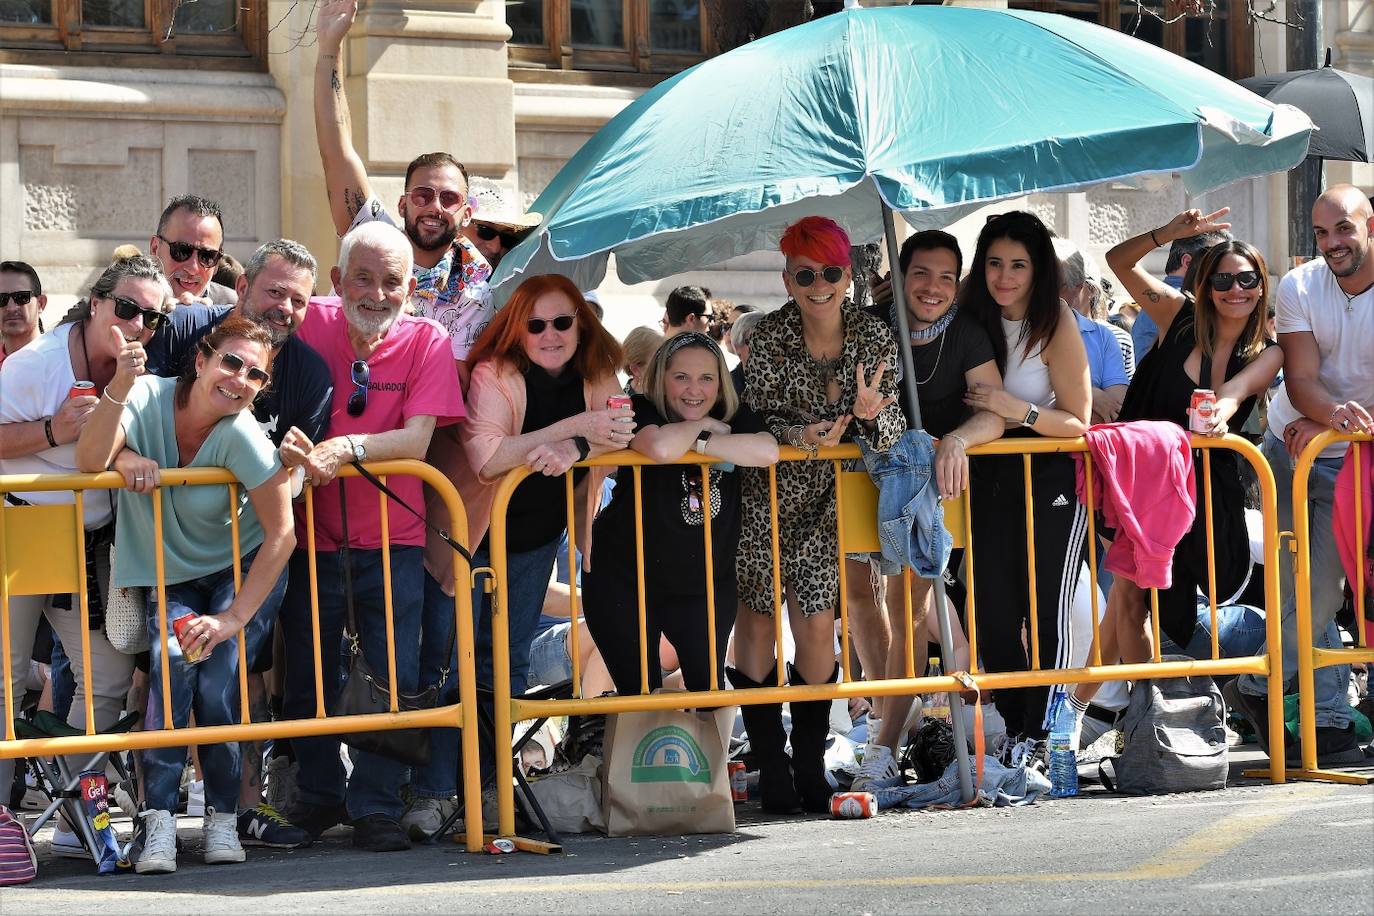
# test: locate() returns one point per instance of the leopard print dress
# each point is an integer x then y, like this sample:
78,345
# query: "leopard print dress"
785,387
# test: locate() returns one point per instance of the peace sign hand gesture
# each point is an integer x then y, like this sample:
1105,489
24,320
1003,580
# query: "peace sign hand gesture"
869,402
1192,222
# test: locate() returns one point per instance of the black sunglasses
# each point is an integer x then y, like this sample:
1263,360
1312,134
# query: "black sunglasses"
508,239
180,251
128,310
806,276
357,401
235,364
1248,279
561,323
19,297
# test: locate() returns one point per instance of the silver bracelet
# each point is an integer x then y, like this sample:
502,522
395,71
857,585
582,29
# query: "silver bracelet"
109,397
963,443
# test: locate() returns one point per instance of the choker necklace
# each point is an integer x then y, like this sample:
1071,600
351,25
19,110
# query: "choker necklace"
936,329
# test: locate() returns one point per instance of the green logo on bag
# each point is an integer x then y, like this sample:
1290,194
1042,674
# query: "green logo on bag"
669,754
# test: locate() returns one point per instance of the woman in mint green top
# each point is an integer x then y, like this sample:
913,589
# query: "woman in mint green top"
145,423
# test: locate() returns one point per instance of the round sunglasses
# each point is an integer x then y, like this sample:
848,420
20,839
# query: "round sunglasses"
561,323
806,276
181,251
1248,279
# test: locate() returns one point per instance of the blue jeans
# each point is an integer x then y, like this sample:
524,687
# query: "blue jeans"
1333,707
1240,632
527,582
375,787
439,778
210,689
63,682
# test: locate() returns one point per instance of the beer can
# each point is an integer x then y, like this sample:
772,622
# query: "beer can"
499,846
617,400
192,656
853,805
81,389
739,781
1202,410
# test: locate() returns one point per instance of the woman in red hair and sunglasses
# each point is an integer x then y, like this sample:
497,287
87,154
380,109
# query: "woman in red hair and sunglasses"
819,371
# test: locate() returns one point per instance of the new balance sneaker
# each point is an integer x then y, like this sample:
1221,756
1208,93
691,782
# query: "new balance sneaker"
220,831
66,843
262,825
878,771
425,816
159,855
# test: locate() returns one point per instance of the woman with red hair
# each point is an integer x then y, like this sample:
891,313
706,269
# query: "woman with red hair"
818,372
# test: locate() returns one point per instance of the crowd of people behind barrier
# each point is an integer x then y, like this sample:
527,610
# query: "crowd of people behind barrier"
408,359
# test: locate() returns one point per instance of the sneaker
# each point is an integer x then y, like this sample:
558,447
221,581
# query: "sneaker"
425,816
1253,709
66,843
316,819
878,771
220,830
1233,737
379,833
261,825
159,855
124,799
1335,747
281,792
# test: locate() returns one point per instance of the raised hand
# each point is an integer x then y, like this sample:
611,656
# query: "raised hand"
333,20
869,402
1190,223
130,359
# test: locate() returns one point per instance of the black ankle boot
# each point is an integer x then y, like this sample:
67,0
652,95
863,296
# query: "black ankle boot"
810,728
767,739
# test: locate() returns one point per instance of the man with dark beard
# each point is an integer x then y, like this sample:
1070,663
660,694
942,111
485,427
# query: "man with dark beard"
450,272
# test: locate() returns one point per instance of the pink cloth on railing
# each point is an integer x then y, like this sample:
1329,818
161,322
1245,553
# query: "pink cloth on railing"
1343,518
1144,487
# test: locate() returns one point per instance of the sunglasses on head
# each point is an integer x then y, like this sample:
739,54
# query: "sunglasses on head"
235,364
360,372
423,195
18,297
181,251
128,310
806,276
508,239
1248,279
561,323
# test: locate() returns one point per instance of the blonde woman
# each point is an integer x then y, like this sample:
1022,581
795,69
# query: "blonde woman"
639,346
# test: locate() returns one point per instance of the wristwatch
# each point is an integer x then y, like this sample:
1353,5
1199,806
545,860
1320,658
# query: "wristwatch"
700,445
359,453
1032,414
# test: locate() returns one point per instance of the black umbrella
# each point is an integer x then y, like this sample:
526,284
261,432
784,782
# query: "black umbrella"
1341,104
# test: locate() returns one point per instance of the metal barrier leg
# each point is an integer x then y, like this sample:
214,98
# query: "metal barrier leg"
956,702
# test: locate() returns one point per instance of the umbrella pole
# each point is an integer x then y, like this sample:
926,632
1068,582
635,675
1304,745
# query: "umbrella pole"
941,609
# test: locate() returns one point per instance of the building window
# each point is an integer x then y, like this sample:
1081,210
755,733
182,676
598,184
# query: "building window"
636,36
233,32
1221,40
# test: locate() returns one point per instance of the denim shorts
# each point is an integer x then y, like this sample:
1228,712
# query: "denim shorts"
885,566
549,660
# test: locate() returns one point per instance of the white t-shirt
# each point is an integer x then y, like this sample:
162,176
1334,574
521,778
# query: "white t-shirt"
34,382
1310,300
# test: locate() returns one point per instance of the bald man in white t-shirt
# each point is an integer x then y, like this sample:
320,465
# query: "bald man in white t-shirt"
1326,328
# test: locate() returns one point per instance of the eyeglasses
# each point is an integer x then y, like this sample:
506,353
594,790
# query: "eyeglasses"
508,239
128,310
423,195
18,297
235,364
806,276
561,323
357,401
1248,279
181,251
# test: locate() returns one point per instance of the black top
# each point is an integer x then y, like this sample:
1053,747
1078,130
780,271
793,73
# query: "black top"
302,389
940,367
674,546
538,510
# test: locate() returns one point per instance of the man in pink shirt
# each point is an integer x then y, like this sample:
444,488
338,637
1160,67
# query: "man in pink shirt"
394,381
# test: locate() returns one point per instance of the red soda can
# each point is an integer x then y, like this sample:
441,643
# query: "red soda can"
499,846
853,805
739,783
617,400
192,656
1202,410
81,390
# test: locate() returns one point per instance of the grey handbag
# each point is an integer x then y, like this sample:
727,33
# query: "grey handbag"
126,614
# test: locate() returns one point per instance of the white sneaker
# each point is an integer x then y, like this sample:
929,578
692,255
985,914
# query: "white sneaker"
425,816
878,771
1233,738
159,856
66,843
221,834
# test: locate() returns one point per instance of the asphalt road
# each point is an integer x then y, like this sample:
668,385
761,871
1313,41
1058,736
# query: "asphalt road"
1253,848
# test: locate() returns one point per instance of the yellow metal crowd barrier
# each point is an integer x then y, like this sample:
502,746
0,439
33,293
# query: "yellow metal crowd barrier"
42,551
1311,657
856,515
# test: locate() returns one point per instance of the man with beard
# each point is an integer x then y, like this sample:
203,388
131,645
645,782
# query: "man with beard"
498,224
394,381
1326,329
450,272
21,307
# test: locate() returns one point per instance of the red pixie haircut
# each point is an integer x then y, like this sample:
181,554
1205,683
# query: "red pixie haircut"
818,238
597,355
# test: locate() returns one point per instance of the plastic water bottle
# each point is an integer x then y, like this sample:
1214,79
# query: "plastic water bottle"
937,704
1063,756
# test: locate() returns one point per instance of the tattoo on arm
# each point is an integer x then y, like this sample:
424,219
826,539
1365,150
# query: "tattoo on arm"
353,201
334,82
1153,296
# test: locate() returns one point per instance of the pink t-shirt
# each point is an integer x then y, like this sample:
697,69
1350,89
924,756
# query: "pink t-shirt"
410,374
